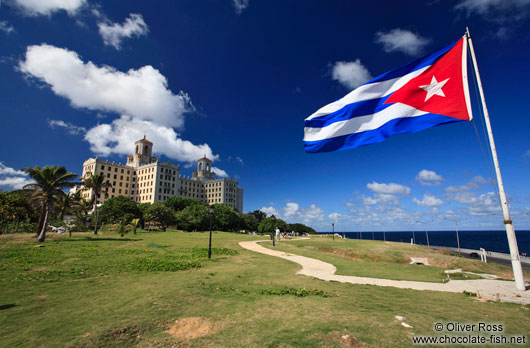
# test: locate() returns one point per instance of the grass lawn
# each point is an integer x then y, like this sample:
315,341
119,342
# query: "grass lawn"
110,291
390,260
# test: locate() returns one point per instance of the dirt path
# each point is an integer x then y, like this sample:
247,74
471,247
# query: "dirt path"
501,290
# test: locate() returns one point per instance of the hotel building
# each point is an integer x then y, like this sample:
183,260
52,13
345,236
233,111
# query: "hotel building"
146,180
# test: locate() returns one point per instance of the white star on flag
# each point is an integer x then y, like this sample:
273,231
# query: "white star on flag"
435,88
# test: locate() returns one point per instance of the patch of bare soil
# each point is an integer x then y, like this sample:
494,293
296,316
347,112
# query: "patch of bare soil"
190,328
336,339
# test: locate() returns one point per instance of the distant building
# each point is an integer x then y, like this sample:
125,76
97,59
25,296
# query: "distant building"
146,180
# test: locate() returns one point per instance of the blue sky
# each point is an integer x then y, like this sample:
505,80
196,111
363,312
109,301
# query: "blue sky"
235,79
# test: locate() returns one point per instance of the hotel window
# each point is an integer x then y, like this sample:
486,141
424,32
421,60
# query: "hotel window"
122,170
119,191
115,170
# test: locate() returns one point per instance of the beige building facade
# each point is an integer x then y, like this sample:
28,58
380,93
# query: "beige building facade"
146,180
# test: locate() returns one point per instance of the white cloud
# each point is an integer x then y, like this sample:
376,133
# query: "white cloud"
240,5
269,211
311,213
291,209
488,204
428,201
473,184
350,74
429,178
391,188
114,33
141,96
337,216
47,7
13,179
294,213
369,200
142,93
385,193
6,28
402,41
70,128
240,160
119,137
220,173
4,170
463,197
487,7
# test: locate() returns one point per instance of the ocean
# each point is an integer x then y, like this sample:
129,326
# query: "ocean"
489,240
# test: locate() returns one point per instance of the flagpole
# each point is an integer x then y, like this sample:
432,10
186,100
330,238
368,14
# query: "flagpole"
512,241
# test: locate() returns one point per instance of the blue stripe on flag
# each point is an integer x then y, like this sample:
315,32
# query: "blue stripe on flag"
362,108
396,126
415,65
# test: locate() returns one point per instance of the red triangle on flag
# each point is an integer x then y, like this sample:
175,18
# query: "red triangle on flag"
439,89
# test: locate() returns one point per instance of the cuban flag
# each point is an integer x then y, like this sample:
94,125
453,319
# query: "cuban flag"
428,92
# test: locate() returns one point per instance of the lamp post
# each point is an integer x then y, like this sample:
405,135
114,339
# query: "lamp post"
426,233
333,230
210,244
457,236
413,235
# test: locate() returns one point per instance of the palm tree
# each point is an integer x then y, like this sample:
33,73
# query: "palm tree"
49,181
66,203
97,183
81,209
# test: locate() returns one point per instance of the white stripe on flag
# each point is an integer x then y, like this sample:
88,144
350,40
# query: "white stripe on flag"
367,92
361,123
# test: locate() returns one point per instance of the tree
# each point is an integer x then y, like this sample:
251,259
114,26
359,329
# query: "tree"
143,207
97,183
225,218
66,204
193,217
249,222
119,208
49,181
269,224
301,228
178,203
14,207
259,215
160,214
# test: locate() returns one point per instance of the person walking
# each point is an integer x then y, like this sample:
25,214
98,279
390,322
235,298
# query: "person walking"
277,234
